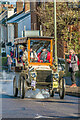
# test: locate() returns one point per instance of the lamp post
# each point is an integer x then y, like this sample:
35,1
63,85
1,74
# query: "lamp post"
55,32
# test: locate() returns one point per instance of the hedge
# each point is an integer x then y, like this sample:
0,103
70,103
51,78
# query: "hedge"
4,61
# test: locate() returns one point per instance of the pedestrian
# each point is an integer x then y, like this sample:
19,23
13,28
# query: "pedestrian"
11,54
9,62
73,66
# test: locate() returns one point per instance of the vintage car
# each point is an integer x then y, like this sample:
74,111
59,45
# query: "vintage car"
39,71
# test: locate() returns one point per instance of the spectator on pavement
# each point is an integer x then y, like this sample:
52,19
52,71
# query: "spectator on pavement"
11,54
73,66
9,62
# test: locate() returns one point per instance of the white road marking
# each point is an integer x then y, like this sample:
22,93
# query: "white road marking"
6,80
74,115
2,92
40,116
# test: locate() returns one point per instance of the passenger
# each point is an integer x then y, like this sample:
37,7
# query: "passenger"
24,57
44,56
33,55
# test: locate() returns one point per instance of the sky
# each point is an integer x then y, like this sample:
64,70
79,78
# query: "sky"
10,0
14,1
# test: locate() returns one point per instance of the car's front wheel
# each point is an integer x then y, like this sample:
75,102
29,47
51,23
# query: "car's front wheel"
62,88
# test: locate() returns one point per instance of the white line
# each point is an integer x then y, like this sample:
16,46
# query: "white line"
6,80
42,116
74,115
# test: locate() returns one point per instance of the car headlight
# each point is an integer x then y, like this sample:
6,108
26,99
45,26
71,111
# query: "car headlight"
56,75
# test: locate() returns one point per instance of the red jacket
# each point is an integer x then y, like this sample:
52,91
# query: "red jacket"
48,57
70,58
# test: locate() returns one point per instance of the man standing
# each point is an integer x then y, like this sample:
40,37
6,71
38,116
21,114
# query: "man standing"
9,62
73,66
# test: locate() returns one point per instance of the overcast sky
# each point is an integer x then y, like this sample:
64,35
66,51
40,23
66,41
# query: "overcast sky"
10,0
43,0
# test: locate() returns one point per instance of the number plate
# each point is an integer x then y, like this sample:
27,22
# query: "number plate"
55,84
33,83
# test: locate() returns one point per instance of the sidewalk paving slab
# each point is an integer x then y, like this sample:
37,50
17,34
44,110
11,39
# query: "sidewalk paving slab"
74,91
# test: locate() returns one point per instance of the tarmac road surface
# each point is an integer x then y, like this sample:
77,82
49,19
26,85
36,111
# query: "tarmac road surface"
40,108
35,108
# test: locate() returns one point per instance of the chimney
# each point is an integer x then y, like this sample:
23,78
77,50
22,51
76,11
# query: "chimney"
26,6
19,6
10,11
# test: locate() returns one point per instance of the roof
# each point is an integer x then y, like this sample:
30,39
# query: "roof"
3,17
44,37
24,39
1,12
17,17
14,15
11,16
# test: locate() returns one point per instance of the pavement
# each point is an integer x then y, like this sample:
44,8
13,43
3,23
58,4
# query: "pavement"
74,91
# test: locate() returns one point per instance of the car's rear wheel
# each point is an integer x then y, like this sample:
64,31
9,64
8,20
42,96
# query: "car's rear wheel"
15,89
22,87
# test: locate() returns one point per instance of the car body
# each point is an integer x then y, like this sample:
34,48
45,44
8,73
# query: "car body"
41,72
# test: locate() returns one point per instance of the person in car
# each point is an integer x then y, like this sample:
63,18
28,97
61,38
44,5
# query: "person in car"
44,56
24,57
33,55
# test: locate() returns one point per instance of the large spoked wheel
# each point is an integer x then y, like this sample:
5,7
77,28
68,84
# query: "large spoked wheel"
62,88
22,87
15,89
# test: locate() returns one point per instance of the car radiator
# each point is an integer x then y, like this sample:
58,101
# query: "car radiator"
44,75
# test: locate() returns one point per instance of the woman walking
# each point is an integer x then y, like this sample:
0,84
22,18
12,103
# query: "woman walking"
73,66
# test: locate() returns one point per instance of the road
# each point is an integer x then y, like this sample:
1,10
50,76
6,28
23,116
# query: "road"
39,108
35,108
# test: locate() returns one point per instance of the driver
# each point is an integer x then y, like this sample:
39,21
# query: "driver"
33,55
44,56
